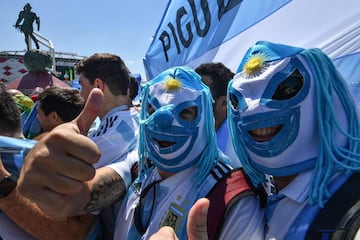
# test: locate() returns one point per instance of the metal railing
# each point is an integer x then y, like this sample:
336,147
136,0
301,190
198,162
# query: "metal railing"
47,43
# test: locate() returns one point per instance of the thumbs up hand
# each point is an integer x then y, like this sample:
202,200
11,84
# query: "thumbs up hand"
57,167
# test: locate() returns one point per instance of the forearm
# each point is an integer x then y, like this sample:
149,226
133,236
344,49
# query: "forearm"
106,188
28,217
103,190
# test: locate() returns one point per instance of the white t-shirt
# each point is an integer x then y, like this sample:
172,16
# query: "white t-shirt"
287,210
108,214
116,135
170,200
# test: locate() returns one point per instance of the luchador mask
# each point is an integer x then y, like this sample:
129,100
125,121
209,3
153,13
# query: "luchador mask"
290,110
173,119
272,109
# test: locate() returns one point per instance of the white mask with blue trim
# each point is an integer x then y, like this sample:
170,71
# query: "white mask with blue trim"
275,116
173,142
291,111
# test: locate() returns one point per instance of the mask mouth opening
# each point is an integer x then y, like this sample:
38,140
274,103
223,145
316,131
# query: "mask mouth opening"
163,144
265,134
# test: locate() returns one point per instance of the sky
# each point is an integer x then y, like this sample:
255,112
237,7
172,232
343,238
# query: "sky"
84,27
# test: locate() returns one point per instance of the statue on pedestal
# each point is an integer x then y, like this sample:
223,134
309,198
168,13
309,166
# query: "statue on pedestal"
27,17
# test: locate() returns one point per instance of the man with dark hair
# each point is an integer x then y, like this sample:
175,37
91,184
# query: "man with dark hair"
134,87
10,121
217,76
58,105
27,17
19,216
119,122
114,139
116,135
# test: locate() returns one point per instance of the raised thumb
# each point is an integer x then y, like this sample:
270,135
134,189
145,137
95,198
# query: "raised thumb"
91,110
197,219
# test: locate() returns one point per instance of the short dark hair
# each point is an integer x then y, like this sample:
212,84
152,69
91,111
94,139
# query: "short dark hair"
110,68
66,102
10,122
134,87
220,76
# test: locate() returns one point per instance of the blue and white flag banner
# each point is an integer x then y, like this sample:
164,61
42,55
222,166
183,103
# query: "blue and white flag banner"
13,152
15,145
197,31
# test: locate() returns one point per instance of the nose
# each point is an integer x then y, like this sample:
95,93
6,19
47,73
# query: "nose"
163,118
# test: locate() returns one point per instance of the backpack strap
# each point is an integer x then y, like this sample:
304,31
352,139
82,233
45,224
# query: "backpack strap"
349,224
227,191
340,217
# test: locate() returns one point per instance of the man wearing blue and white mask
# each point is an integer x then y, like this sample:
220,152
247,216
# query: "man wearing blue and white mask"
292,116
179,162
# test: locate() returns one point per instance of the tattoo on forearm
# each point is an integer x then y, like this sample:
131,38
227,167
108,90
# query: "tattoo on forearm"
106,191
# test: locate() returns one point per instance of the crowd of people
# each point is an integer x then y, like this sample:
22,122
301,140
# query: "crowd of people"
268,152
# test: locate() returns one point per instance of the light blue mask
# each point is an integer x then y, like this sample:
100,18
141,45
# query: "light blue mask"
166,124
169,138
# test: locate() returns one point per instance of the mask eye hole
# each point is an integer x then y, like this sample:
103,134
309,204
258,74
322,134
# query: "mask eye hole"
189,114
234,102
150,109
289,87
